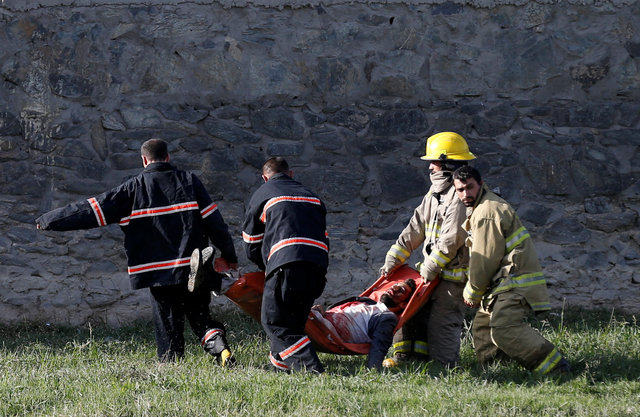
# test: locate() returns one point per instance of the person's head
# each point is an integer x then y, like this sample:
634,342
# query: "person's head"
273,166
154,150
447,151
468,183
398,294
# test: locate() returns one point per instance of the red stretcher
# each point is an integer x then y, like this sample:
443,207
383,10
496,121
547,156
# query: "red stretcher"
247,291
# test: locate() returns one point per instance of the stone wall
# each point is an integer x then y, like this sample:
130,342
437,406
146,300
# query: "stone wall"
545,92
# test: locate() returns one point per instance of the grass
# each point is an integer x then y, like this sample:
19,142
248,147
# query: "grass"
62,371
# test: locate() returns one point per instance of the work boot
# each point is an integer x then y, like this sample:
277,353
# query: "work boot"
395,361
201,265
562,367
215,344
400,358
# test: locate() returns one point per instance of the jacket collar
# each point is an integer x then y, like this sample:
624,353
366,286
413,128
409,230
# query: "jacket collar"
158,166
279,175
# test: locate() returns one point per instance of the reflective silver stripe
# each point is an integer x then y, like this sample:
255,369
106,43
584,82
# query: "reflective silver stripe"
297,241
432,231
296,347
155,266
159,211
549,362
97,211
398,252
541,306
472,294
521,281
457,274
515,239
402,347
208,210
247,238
439,258
421,347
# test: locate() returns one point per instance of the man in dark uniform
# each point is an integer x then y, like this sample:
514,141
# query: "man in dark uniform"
285,235
165,213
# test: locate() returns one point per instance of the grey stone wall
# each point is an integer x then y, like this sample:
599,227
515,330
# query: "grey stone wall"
545,92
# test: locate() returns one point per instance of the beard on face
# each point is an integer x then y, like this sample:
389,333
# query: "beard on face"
387,300
469,202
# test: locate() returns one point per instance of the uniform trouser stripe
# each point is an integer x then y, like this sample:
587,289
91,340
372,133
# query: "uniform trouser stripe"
421,347
402,347
278,364
549,362
210,333
296,347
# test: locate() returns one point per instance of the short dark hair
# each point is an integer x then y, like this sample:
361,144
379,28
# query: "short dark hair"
466,172
154,150
411,283
452,165
275,165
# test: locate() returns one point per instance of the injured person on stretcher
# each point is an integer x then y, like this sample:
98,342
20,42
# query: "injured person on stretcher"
364,320
359,325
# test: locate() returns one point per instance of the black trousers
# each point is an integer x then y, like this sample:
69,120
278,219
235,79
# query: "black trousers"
171,305
289,293
380,331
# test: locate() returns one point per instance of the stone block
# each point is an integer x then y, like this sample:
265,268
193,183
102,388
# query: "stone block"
284,149
9,124
398,122
229,131
566,231
277,122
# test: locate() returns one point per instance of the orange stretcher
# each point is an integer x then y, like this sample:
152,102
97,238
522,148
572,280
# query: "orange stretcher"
247,291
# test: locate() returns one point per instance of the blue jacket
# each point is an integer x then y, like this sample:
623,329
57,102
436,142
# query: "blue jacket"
285,222
165,213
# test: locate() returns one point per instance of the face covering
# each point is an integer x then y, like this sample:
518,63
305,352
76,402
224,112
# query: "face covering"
440,180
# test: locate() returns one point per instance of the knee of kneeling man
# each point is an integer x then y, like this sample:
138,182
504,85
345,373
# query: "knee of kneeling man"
502,336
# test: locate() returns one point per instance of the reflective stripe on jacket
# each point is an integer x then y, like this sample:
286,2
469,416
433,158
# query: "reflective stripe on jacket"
503,256
165,213
435,224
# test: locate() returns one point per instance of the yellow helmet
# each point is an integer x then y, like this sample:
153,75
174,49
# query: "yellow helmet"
445,146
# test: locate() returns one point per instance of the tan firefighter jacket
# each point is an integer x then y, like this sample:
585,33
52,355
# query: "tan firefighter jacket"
436,222
503,256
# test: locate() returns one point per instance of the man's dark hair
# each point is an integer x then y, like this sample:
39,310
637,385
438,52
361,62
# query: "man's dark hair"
465,173
452,165
154,150
411,283
275,165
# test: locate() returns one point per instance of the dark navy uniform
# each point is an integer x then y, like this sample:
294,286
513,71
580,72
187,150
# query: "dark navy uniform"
285,235
165,213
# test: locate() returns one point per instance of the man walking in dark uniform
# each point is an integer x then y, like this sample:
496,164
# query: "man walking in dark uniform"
285,235
165,213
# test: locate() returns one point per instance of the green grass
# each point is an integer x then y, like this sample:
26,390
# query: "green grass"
60,371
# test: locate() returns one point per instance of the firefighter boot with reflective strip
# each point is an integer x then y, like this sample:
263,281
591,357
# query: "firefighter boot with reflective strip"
215,344
201,266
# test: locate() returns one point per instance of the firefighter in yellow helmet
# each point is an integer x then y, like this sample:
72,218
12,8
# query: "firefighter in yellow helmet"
506,282
434,332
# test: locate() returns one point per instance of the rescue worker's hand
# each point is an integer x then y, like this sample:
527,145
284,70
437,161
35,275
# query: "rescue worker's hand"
386,270
317,308
427,274
471,303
